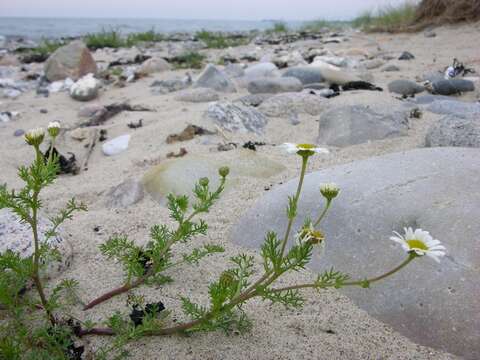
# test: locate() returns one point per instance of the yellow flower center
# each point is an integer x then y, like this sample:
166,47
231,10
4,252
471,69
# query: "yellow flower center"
305,146
417,244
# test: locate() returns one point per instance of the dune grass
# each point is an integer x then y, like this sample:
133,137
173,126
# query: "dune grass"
215,40
278,27
388,18
147,36
113,38
46,47
190,60
320,24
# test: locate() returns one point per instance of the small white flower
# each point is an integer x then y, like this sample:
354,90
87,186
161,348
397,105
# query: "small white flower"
309,234
303,149
35,137
53,128
420,242
329,190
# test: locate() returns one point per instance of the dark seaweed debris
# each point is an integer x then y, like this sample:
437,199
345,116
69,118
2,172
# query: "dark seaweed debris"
66,166
137,315
110,111
252,145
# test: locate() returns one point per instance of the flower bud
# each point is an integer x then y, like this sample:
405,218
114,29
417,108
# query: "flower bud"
203,181
329,191
35,137
53,129
224,171
226,279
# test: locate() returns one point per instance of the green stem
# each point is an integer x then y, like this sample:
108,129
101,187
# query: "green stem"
322,215
295,202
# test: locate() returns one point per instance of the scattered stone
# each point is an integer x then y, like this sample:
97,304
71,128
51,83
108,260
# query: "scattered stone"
234,70
85,89
135,125
405,87
226,147
17,237
178,176
7,116
153,66
373,64
430,34
90,110
182,152
254,100
70,61
357,124
168,86
433,189
19,132
215,79
406,56
265,69
451,87
116,145
43,111
282,105
61,85
124,195
188,134
234,117
80,134
197,95
274,85
391,68
451,130
453,107
109,111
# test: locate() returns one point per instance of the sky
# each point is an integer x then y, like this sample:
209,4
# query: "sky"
193,9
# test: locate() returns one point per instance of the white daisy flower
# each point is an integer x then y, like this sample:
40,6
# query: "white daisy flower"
53,128
420,242
329,190
35,137
309,234
304,149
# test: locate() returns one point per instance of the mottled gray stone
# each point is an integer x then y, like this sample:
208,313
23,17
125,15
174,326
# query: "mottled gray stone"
197,95
391,68
18,238
234,70
216,79
357,124
264,69
127,193
283,105
406,56
452,87
306,74
274,85
405,87
234,117
454,131
453,107
434,189
253,99
168,86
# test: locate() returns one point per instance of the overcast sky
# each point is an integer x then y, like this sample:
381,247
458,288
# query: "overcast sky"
193,9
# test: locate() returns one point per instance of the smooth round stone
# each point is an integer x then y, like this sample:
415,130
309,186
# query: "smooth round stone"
19,132
274,85
85,89
116,145
306,74
179,176
405,87
215,79
452,87
390,68
264,69
18,238
127,193
434,189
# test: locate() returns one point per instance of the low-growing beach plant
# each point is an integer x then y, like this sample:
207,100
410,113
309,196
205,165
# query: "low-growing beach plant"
188,60
41,324
278,27
217,40
104,39
146,36
390,18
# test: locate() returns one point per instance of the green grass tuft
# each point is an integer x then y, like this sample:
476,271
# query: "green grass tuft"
46,47
190,60
147,36
215,40
278,27
321,24
105,39
389,18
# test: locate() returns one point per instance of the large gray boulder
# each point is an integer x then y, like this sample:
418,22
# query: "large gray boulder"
283,105
454,107
70,61
18,238
405,87
454,131
433,189
215,79
451,87
357,124
197,95
306,74
274,85
233,117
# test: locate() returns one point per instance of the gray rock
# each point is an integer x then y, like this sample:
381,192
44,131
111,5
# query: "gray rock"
357,124
452,87
433,189
282,105
373,64
306,74
168,86
274,85
453,107
215,79
430,34
127,193
154,65
406,56
90,110
234,117
391,68
116,145
405,87
70,61
234,70
428,99
265,69
197,95
254,99
19,132
454,131
85,89
18,238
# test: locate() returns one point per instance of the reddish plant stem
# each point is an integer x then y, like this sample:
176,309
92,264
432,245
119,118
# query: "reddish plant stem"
120,290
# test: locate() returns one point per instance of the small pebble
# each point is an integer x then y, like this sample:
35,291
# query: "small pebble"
19,132
43,111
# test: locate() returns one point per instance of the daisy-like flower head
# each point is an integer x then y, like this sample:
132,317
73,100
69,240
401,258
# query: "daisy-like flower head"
35,137
329,191
304,149
308,234
420,242
53,129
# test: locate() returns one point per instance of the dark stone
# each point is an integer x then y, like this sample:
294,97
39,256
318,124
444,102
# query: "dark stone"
452,87
406,56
